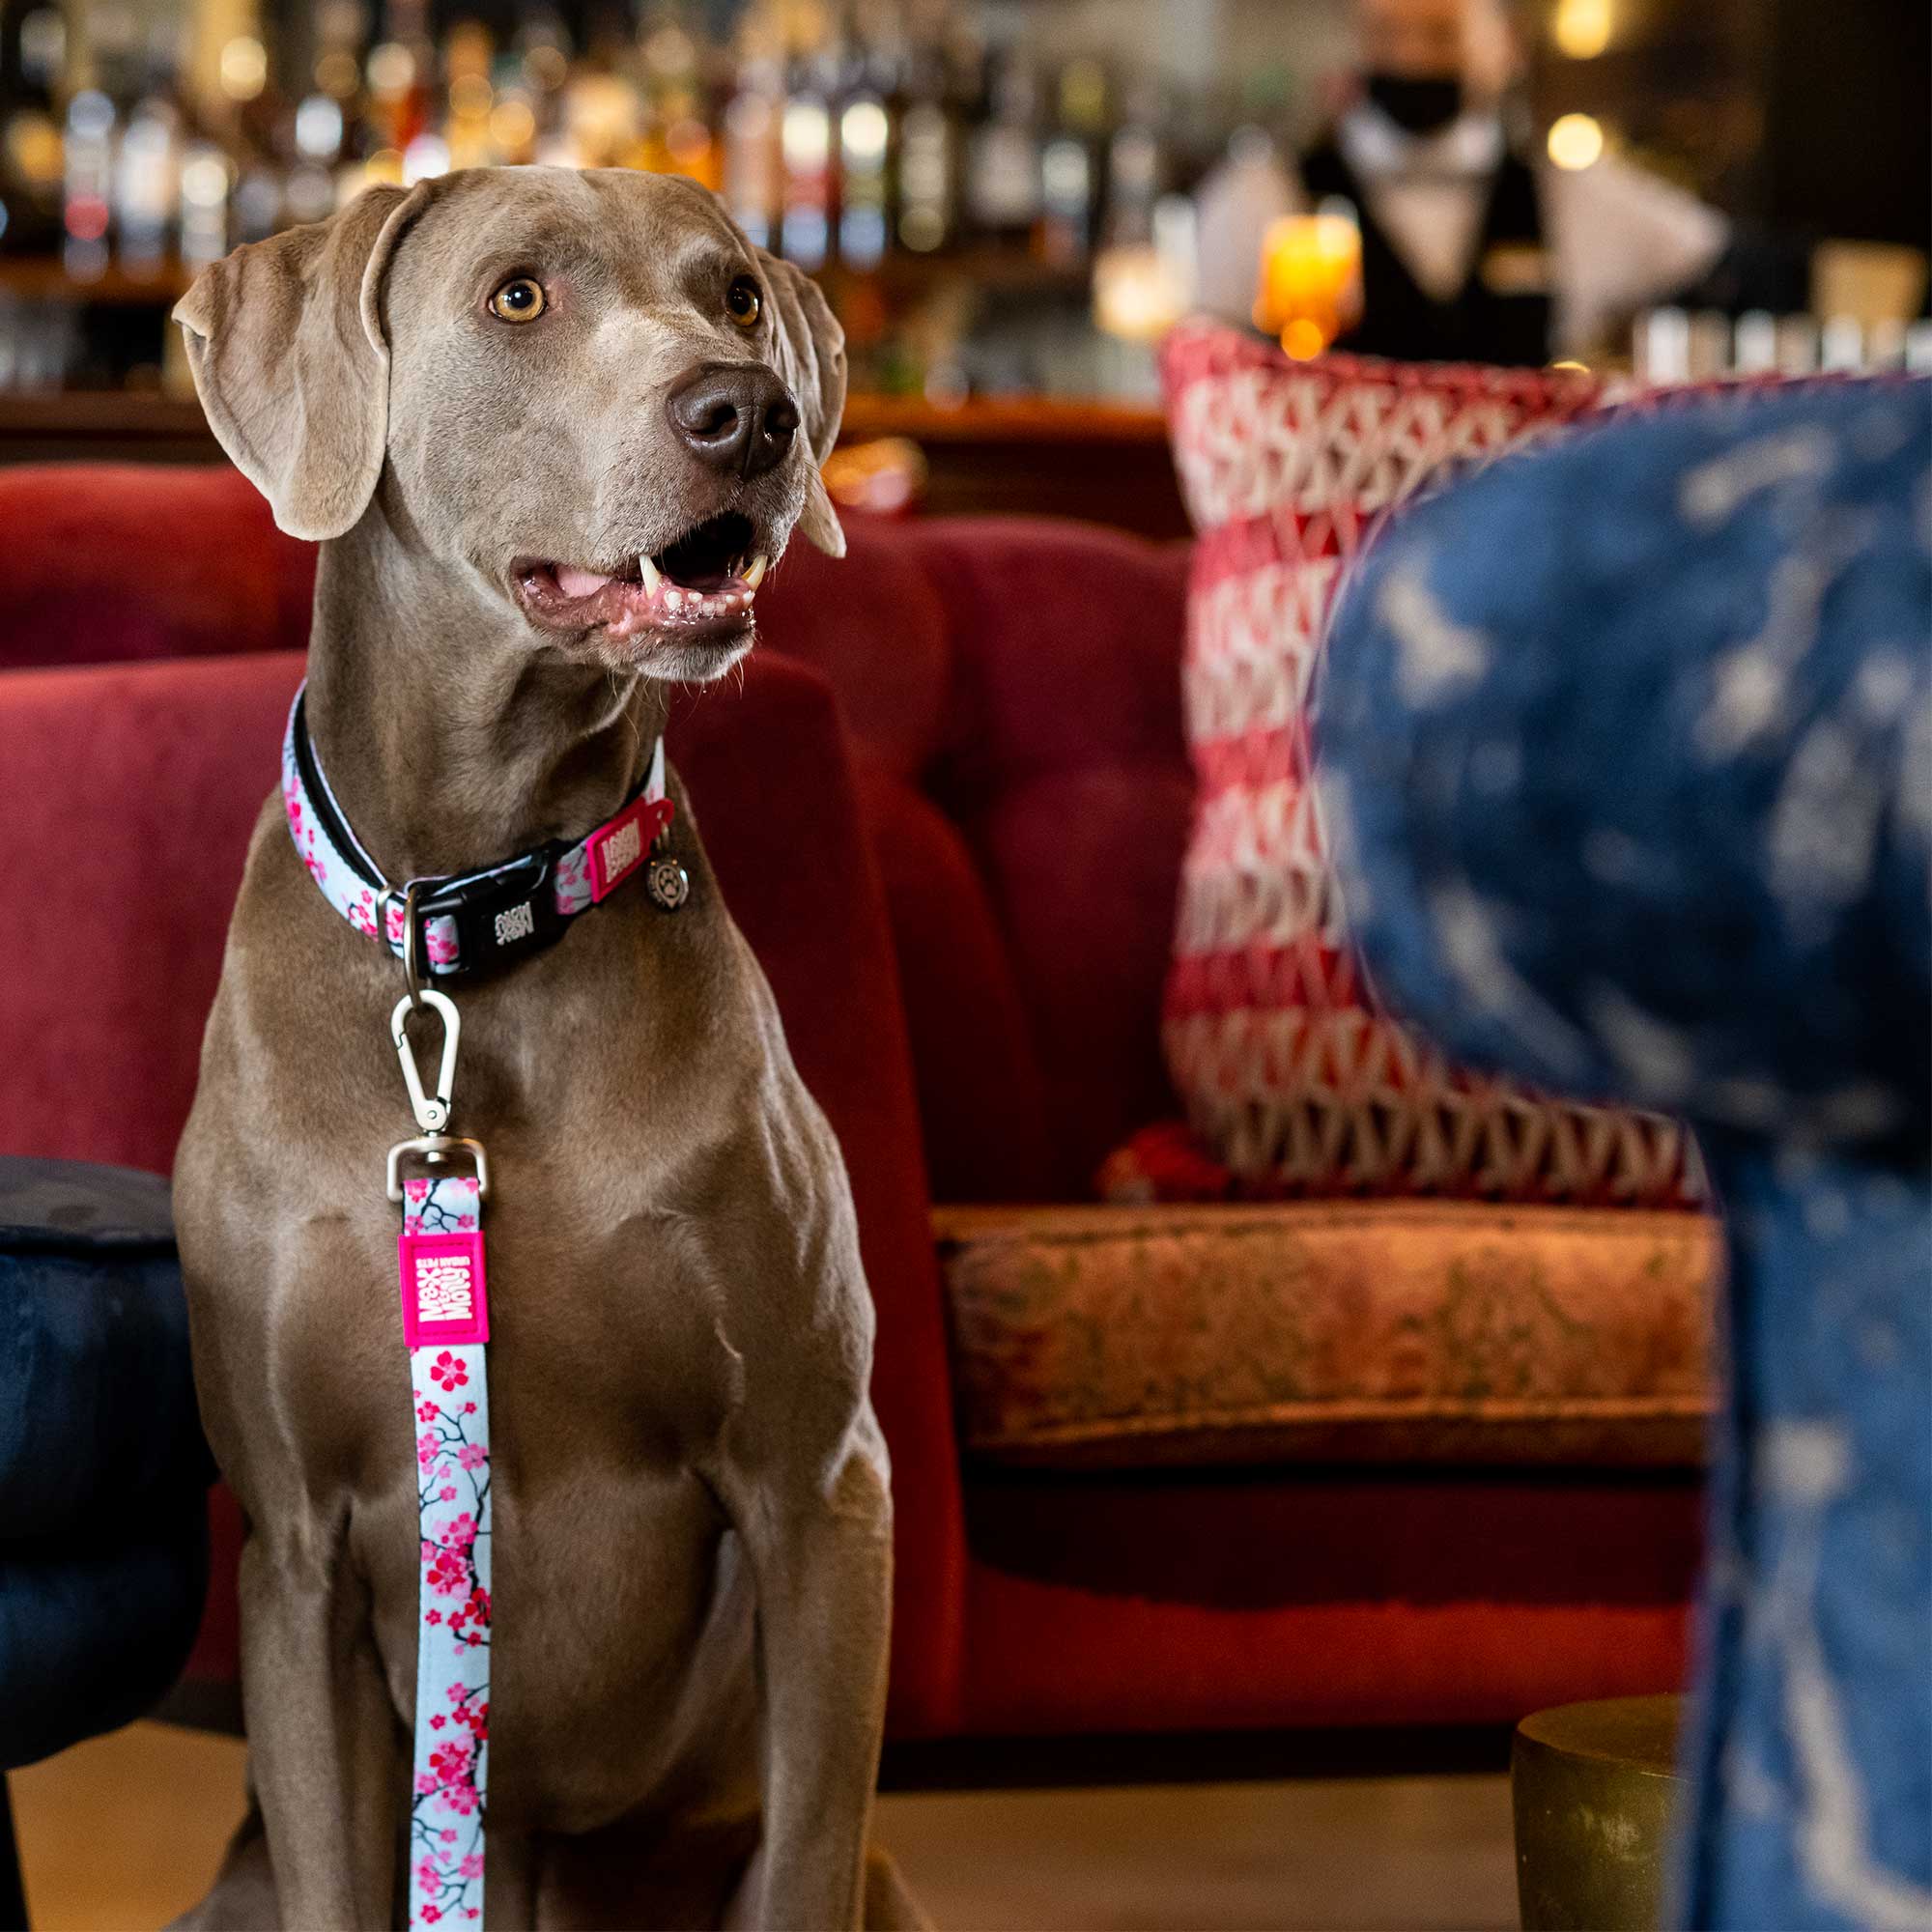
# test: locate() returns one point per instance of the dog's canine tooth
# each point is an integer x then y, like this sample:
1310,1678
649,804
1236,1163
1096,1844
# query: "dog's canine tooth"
648,572
755,576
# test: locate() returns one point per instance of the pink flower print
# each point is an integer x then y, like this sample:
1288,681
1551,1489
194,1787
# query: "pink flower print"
459,1531
417,1189
434,1618
466,1221
430,1914
442,947
460,1798
470,1408
425,1785
426,1448
472,1865
437,1722
454,1693
446,1574
478,1606
449,1836
450,1762
472,1455
449,1373
427,1411
447,1494
428,1876
392,921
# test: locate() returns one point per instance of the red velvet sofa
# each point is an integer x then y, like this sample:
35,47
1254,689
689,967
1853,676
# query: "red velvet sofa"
948,806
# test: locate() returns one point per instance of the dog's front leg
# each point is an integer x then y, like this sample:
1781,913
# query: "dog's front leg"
823,1563
321,1734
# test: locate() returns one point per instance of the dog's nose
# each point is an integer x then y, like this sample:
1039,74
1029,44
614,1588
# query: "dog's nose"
738,418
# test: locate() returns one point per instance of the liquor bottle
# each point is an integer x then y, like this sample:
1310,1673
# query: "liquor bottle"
677,139
309,193
1135,166
867,142
805,151
1068,172
147,184
1003,173
206,179
33,52
542,48
928,151
752,171
87,185
468,54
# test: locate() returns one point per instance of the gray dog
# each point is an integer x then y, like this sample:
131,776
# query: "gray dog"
550,430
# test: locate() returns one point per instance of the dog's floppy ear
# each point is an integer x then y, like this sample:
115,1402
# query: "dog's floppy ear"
285,339
812,359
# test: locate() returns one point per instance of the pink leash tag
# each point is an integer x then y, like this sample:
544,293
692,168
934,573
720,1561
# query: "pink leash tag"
445,1299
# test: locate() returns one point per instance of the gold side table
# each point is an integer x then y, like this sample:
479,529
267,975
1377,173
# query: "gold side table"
1595,1791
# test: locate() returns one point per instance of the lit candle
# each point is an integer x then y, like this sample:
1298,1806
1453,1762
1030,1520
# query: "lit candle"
1310,286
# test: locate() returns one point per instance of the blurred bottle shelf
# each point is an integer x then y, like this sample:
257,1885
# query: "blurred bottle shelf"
1099,462
898,278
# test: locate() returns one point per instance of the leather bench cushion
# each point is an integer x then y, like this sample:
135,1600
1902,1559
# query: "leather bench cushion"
1443,1332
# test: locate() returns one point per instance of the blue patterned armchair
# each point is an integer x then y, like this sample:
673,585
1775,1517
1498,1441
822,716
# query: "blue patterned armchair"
1628,757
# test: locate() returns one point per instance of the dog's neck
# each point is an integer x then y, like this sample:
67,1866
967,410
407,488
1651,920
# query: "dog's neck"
452,738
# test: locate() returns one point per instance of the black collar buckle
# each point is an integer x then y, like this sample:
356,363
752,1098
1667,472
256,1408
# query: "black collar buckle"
501,915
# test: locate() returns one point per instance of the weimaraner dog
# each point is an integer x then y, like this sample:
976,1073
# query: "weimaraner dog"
550,430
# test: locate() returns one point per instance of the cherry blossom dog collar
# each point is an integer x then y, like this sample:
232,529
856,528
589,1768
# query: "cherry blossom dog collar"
470,922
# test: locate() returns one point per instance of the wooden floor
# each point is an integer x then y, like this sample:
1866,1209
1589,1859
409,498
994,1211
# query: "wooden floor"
119,1834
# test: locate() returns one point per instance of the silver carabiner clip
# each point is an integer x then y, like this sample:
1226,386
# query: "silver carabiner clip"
432,1111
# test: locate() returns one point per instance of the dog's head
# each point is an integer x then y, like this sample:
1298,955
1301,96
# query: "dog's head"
590,395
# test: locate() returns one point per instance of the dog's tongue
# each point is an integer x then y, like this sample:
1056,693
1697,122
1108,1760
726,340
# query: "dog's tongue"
574,583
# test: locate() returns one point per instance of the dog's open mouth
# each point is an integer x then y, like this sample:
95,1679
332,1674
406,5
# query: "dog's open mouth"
702,586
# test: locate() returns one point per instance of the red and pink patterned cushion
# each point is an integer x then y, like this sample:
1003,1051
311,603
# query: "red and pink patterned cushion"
1292,1077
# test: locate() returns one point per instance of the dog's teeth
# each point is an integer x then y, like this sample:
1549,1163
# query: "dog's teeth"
755,576
648,572
673,599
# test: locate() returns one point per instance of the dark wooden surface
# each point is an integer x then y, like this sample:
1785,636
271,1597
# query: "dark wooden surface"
1104,464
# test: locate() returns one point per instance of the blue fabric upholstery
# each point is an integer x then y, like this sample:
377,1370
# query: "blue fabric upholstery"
103,1473
1628,761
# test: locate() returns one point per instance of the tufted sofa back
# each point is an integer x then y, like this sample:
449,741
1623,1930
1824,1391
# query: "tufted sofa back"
1011,687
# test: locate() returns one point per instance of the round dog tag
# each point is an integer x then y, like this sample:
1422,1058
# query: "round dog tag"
668,883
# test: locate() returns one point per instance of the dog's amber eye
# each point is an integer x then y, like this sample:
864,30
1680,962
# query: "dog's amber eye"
743,302
518,299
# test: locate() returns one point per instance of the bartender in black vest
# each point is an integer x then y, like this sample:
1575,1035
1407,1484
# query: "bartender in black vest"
1471,249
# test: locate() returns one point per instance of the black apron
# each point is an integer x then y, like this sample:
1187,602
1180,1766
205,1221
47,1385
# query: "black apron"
1501,313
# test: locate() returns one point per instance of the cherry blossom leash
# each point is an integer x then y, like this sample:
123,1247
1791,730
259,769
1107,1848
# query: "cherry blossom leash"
446,1324
455,927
